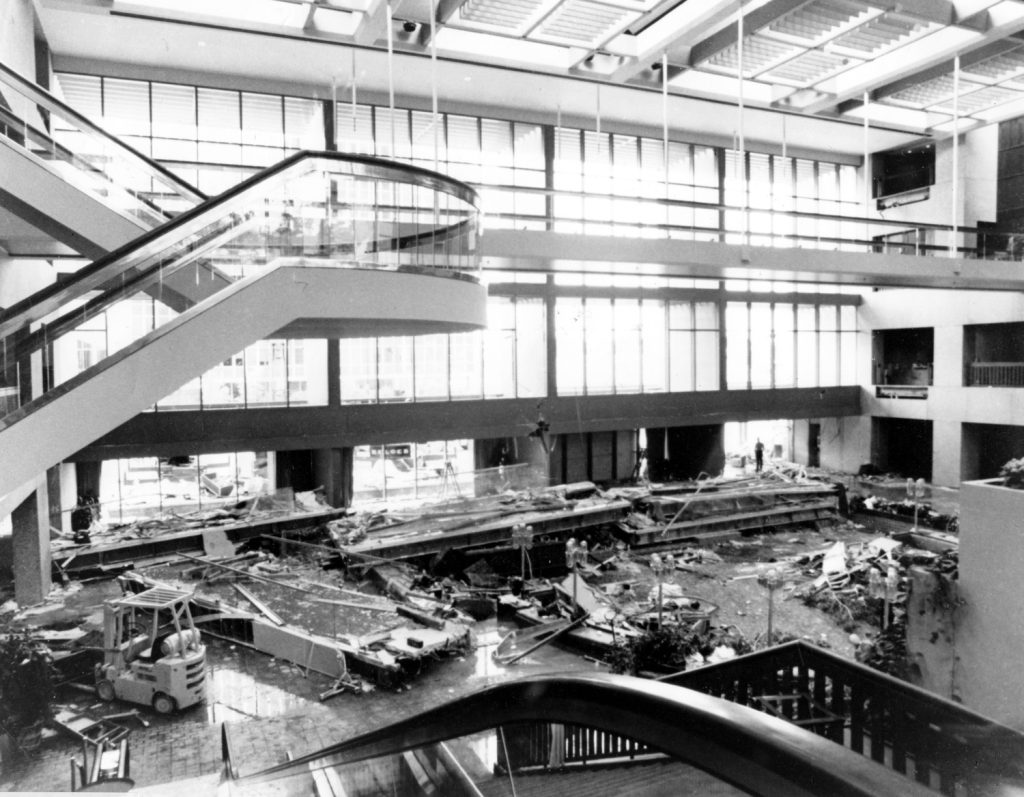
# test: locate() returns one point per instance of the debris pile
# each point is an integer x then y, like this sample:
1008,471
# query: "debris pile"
906,509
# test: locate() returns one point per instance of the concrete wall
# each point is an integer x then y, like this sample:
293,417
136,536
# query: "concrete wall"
949,403
845,442
17,46
989,642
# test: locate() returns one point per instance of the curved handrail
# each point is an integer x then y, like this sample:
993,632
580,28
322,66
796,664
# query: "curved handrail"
48,101
752,751
118,263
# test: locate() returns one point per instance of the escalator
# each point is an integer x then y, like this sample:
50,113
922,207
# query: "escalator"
589,735
322,245
73,181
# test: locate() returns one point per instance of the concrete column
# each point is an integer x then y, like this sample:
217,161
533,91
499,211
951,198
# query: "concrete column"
30,538
332,468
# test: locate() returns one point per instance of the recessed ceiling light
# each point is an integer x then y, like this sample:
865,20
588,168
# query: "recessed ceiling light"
201,44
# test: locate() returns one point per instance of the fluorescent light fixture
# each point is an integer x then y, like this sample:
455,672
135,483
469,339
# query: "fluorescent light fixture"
890,115
337,23
963,124
697,82
502,48
242,12
998,113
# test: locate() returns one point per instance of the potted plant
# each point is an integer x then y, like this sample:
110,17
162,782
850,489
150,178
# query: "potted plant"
26,689
1013,473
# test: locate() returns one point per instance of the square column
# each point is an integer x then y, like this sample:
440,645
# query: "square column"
30,538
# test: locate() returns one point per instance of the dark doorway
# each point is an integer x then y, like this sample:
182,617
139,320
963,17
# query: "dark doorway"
684,452
902,446
986,447
813,445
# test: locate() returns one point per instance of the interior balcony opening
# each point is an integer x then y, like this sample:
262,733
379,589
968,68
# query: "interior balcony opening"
994,355
986,447
903,362
902,446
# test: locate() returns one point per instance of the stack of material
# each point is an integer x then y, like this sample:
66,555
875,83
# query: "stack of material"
731,508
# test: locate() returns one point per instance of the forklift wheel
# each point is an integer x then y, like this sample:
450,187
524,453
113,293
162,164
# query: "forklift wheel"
105,690
164,704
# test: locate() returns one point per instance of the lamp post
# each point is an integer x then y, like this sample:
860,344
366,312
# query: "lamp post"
660,566
772,579
522,538
915,491
575,555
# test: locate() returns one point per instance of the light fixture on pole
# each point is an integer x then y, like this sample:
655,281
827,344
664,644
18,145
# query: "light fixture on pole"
575,555
522,538
772,579
915,492
661,565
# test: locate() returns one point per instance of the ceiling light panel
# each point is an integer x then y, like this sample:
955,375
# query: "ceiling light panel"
820,20
513,17
981,100
930,92
759,54
583,23
882,34
1004,66
808,68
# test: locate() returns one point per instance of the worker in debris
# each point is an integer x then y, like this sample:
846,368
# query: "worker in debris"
758,455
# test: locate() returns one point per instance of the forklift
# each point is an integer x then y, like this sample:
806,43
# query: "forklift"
152,652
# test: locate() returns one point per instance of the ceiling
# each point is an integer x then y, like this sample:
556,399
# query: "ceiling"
807,65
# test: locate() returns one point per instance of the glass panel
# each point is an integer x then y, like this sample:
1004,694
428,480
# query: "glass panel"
760,345
224,385
627,346
706,315
395,368
806,346
431,367
358,368
681,361
784,346
569,352
531,348
500,349
707,361
654,342
466,367
307,372
599,346
828,348
736,339
848,358
266,374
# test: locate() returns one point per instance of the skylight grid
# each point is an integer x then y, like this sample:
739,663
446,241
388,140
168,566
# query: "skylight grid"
512,16
808,68
759,53
999,67
818,20
584,22
931,92
979,100
883,33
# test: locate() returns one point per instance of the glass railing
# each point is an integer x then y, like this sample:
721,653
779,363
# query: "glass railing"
88,157
323,209
652,215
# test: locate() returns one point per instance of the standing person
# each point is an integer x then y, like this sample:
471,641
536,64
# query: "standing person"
758,455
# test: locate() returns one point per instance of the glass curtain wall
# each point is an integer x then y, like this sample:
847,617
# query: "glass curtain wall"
397,471
611,184
211,138
772,187
783,344
143,487
505,361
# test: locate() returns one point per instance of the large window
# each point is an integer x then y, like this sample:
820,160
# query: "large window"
212,138
612,184
782,344
634,345
507,360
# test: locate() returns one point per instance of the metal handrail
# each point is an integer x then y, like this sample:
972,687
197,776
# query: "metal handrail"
752,751
49,102
118,265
